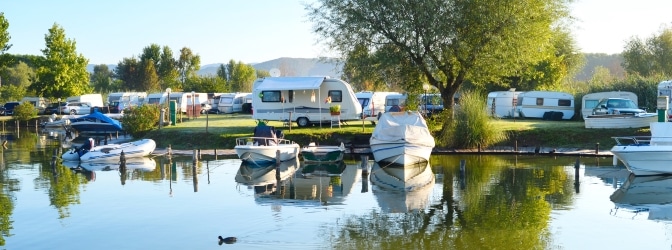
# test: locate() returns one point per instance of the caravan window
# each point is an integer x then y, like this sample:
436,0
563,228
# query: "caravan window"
270,96
540,101
336,95
364,102
114,98
154,100
564,102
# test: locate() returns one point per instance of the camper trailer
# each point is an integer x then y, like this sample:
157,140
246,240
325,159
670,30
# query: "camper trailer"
548,105
502,104
304,100
40,103
156,98
232,102
589,101
119,101
665,89
95,100
395,102
183,100
373,103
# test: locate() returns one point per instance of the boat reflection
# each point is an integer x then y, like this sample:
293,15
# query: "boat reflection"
652,194
264,178
144,164
402,189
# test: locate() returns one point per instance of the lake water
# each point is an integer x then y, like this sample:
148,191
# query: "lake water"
498,202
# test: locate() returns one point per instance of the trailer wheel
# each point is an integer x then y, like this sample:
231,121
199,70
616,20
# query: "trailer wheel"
302,122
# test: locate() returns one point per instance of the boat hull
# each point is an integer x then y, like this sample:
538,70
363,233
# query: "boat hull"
266,154
400,153
645,159
112,152
620,121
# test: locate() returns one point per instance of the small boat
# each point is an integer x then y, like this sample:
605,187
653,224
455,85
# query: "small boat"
110,152
95,122
639,120
646,155
401,138
651,194
316,154
265,146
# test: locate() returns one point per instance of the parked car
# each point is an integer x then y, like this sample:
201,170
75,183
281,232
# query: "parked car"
613,106
9,107
205,108
52,108
76,108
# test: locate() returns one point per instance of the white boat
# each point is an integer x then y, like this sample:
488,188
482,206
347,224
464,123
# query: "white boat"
646,155
111,152
402,189
401,138
620,121
646,193
265,147
322,154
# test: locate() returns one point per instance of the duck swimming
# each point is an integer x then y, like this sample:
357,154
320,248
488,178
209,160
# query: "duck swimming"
227,240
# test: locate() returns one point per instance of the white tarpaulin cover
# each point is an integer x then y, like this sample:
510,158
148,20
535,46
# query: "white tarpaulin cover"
290,83
402,126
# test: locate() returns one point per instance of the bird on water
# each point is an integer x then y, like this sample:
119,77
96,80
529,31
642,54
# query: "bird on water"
227,240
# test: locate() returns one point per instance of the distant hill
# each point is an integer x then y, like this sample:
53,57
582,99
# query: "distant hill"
331,67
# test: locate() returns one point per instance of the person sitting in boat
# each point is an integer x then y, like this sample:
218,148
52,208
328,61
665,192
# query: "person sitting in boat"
86,147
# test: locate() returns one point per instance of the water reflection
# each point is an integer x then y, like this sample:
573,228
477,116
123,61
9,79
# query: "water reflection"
264,179
652,194
400,189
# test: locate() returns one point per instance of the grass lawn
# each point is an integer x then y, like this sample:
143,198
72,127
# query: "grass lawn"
220,131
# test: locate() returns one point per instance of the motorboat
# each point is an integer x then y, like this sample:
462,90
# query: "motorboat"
400,189
111,152
652,194
55,121
266,146
318,154
638,120
95,122
401,138
646,155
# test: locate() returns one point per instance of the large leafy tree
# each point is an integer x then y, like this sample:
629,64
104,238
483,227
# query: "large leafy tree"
188,64
101,79
651,57
63,72
150,79
168,74
5,59
240,76
128,71
446,42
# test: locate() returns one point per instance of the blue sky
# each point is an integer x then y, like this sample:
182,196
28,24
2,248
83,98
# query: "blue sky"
258,30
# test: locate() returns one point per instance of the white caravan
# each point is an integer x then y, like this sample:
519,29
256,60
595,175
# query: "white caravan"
502,104
156,98
232,102
123,100
665,89
40,103
395,102
589,101
373,103
183,100
304,99
546,105
95,100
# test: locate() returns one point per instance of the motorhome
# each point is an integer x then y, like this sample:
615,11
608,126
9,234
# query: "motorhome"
95,100
304,100
589,101
119,101
665,89
40,103
373,102
549,105
232,102
502,104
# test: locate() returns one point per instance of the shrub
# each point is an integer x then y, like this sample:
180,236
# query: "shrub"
471,127
24,111
140,120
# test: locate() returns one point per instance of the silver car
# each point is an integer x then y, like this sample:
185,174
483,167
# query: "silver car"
76,108
614,106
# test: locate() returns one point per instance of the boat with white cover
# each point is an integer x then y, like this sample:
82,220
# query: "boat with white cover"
265,146
110,152
401,138
646,155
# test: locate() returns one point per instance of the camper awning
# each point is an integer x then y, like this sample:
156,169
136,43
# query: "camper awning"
290,83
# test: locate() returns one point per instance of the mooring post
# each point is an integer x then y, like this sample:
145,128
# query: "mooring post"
515,146
277,157
365,173
199,154
169,152
463,170
194,157
597,148
122,159
577,166
53,159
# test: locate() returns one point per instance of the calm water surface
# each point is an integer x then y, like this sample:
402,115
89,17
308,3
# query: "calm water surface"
501,202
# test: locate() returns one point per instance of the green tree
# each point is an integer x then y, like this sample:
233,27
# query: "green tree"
20,75
188,64
4,41
24,112
653,57
241,76
448,42
11,93
206,84
138,121
63,72
150,81
101,79
168,74
128,72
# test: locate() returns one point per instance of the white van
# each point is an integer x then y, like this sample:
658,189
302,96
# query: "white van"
502,104
307,99
590,101
373,103
232,102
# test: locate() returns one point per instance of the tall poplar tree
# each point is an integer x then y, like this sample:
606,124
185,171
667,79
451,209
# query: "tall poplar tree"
63,72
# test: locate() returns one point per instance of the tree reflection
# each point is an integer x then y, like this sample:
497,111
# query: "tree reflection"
506,200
